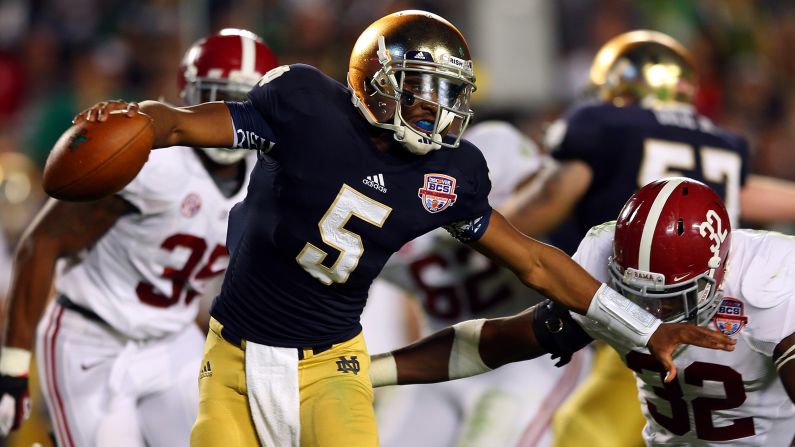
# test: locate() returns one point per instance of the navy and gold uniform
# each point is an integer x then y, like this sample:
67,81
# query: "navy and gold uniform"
628,147
324,211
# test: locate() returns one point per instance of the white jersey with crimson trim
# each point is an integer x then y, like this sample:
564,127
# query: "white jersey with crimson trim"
718,397
142,276
454,282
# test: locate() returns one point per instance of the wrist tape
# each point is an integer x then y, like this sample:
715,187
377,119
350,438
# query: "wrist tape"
622,316
14,361
383,370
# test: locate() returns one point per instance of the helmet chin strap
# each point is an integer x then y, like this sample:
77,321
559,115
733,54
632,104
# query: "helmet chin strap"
415,141
412,140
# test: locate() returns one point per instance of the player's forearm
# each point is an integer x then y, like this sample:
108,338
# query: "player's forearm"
60,229
449,354
467,349
559,278
540,266
204,125
508,340
34,267
425,361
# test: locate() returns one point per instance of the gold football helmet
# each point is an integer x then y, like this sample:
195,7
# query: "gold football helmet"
644,66
410,59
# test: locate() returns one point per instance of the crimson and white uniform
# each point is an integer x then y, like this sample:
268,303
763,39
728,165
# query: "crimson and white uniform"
718,397
142,279
514,404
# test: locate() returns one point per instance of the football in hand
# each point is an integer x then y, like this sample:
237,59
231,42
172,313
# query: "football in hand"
92,160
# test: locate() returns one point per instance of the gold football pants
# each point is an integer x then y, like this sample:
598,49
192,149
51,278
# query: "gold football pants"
336,396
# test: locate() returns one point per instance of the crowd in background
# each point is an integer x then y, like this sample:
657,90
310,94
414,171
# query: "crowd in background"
60,56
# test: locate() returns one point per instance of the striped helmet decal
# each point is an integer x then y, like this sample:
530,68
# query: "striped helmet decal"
249,55
650,226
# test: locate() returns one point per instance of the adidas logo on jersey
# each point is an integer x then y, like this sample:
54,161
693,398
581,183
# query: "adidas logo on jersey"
375,181
206,370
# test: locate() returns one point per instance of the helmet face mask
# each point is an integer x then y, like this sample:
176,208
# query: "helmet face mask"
223,67
413,60
671,249
208,90
694,300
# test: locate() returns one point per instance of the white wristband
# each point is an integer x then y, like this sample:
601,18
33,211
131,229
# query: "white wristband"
465,358
383,370
14,361
622,316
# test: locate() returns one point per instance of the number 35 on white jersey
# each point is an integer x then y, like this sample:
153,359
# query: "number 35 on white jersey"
143,275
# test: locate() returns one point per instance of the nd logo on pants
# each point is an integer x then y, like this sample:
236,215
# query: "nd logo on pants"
252,394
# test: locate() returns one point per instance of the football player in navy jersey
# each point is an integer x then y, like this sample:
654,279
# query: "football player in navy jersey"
345,177
641,127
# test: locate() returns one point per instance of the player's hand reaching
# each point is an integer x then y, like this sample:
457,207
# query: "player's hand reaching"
668,336
101,110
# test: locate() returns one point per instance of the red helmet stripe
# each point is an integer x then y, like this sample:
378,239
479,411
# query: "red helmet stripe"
650,226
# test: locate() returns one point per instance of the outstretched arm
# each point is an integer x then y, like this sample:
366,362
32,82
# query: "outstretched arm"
477,346
466,349
540,266
553,273
60,229
203,125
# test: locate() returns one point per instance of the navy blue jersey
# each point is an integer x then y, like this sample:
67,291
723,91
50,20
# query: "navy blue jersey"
325,210
628,147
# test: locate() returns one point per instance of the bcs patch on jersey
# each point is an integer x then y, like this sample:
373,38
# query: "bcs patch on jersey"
730,318
438,192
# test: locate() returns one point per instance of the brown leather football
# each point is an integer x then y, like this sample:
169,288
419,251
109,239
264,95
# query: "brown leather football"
94,159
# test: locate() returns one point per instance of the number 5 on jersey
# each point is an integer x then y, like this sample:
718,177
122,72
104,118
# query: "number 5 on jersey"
348,202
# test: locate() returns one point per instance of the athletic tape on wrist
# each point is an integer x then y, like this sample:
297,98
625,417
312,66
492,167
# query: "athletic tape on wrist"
465,358
383,370
14,361
622,316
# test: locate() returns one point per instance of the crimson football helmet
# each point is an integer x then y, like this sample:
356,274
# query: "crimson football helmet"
644,65
411,58
223,66
670,250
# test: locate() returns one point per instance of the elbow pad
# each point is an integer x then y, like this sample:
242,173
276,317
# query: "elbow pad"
557,332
